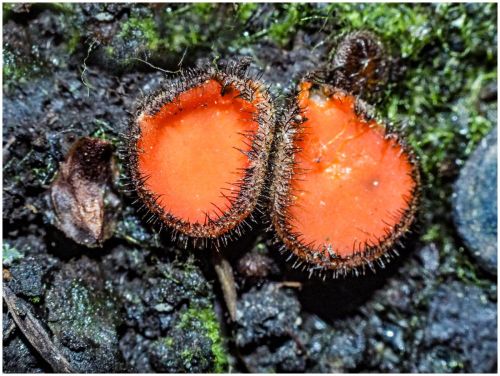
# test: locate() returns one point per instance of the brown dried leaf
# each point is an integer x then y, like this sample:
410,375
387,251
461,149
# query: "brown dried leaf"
79,193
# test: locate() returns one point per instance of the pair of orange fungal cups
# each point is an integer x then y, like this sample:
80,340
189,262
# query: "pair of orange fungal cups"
342,187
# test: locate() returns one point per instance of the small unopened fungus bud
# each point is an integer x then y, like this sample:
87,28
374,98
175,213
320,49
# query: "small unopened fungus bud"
360,65
344,188
198,150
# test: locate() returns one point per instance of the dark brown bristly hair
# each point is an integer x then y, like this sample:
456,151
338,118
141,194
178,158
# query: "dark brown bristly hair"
344,185
197,150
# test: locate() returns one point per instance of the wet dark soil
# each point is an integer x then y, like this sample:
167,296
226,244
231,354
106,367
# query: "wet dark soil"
141,303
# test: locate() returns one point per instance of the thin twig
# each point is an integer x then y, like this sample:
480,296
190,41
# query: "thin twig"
224,272
35,333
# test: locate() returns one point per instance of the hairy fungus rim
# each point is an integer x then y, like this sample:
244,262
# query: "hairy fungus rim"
236,75
290,124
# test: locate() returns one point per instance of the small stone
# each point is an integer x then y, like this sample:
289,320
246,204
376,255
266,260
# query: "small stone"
104,17
164,307
429,256
475,203
393,335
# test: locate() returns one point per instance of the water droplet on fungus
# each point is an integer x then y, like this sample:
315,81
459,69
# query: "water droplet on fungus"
344,187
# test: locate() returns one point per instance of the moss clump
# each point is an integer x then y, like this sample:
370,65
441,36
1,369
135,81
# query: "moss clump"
410,25
105,132
143,29
193,344
205,319
19,68
73,41
172,29
10,254
282,30
35,300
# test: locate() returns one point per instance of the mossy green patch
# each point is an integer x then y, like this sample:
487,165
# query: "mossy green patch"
192,318
74,41
17,67
285,26
410,24
105,132
169,341
142,28
10,254
35,300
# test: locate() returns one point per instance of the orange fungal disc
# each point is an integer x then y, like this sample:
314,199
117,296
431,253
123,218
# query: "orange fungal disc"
198,150
344,188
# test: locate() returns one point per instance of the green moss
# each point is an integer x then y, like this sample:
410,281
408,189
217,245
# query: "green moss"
198,23
410,24
244,11
35,300
10,254
206,316
284,26
74,41
168,341
142,28
16,68
105,132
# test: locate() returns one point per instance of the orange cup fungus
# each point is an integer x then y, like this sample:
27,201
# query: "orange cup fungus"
344,187
198,150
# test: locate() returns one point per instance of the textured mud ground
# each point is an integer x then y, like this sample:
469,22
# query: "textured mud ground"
140,303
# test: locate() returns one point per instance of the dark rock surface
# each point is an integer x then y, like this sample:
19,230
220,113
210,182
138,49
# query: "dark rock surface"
460,318
268,312
84,318
19,357
475,203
